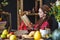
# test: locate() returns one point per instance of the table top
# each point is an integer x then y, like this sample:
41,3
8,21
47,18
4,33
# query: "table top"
8,39
21,39
19,33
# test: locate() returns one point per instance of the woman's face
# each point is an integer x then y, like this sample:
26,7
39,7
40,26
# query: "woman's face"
41,13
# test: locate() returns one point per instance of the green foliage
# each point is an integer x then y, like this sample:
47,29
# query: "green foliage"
55,10
57,18
4,3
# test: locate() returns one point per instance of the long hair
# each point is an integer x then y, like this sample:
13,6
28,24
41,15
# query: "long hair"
45,9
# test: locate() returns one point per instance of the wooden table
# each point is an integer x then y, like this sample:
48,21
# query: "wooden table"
21,32
8,39
22,39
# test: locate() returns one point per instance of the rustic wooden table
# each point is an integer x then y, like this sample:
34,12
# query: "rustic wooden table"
9,39
19,33
22,39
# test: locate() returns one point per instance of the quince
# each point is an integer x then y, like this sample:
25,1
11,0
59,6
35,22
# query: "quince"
13,37
5,32
37,35
3,36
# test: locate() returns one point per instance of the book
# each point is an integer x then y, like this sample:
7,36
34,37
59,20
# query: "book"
26,20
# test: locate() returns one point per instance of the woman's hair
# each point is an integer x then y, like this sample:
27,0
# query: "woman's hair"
45,8
56,34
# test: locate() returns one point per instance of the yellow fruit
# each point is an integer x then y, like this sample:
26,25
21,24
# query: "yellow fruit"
37,35
0,19
13,37
5,32
31,34
3,36
46,36
8,35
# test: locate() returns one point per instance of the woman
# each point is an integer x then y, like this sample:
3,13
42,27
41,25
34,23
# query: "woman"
43,14
42,23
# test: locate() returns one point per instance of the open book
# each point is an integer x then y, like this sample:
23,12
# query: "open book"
25,20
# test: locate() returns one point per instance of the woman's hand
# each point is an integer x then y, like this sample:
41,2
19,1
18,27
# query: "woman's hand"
30,27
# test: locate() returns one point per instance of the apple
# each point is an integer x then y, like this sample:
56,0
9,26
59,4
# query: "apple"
11,33
13,37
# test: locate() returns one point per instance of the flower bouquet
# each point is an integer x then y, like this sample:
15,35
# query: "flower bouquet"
55,10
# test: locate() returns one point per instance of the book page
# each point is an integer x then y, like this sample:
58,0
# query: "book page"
25,20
